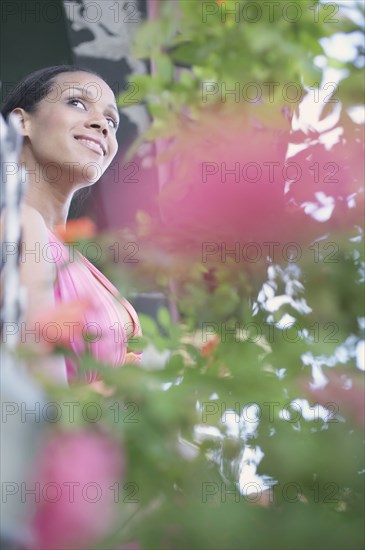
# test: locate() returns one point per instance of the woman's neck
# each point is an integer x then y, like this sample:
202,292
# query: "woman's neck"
51,205
51,198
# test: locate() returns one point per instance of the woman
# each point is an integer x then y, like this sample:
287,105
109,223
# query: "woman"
69,119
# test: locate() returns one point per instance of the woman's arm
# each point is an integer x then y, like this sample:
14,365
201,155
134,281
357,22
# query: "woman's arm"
37,276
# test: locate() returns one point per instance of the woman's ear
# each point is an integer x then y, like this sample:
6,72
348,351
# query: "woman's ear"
23,119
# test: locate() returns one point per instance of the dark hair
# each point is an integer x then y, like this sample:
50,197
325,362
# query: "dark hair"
33,88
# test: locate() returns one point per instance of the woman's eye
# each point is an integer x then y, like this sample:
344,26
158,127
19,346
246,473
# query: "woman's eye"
74,100
114,122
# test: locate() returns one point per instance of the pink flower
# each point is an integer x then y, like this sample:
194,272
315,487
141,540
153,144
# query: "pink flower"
55,322
227,177
79,475
228,183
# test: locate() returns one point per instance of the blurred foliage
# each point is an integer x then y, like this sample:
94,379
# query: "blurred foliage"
268,45
192,443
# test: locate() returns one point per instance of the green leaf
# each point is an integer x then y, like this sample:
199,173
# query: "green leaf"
165,68
164,317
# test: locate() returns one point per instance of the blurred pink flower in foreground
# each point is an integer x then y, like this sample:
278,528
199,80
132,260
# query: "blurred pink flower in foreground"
227,179
227,185
76,473
62,323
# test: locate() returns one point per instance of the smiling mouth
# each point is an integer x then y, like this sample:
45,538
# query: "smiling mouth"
92,145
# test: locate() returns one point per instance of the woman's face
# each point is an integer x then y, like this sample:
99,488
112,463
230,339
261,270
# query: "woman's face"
74,129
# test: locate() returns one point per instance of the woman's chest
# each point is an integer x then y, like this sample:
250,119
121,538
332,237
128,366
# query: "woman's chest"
108,315
117,311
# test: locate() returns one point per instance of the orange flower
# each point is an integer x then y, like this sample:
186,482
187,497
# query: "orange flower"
208,348
82,228
132,358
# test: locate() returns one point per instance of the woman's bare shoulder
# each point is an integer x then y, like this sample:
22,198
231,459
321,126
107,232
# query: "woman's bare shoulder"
33,222
34,240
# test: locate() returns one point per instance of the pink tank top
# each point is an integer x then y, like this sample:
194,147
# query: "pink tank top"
78,278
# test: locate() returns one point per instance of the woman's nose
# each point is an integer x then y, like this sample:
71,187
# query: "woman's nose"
101,125
98,121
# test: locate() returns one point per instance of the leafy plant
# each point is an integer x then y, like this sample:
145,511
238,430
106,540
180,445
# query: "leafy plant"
230,445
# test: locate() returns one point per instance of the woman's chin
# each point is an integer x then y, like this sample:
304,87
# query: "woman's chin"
88,175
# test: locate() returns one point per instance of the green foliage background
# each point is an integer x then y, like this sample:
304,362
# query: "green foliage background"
181,475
